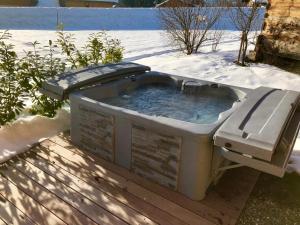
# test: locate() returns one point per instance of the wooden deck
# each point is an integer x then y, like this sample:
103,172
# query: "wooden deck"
56,183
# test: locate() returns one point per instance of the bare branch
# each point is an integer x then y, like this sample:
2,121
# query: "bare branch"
187,27
245,19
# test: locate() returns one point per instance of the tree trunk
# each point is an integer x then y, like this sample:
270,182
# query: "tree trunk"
240,50
244,51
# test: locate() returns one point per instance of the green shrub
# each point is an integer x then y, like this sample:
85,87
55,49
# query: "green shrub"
34,69
34,2
100,48
10,89
62,3
23,77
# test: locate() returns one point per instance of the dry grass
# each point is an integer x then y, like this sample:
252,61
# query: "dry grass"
273,201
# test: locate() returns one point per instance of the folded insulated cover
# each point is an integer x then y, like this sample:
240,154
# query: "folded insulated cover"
255,128
62,85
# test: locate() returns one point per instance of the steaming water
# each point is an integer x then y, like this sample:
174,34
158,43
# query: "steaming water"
167,101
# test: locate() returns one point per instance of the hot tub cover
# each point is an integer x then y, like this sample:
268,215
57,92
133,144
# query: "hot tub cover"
263,129
59,87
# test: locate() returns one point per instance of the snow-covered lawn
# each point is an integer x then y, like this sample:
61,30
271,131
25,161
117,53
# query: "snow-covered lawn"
151,48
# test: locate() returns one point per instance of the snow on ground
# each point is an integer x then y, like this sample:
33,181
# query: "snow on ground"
153,49
26,131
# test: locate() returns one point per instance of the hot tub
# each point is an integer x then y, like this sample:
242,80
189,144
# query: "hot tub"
162,126
167,150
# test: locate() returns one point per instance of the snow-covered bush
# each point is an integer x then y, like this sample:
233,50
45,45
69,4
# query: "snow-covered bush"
22,77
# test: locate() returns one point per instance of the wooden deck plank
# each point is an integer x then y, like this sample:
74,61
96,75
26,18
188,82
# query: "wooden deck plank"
151,197
57,206
10,214
117,208
121,194
223,203
26,204
57,183
214,213
79,203
2,222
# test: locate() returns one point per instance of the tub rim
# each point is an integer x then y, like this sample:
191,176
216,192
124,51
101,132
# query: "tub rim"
140,118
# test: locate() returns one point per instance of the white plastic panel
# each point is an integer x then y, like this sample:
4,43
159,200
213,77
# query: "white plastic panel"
279,161
256,126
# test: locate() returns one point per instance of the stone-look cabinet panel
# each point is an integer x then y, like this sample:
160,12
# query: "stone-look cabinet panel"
97,132
156,156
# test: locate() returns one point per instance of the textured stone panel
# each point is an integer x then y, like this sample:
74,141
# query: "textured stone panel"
156,156
281,34
97,132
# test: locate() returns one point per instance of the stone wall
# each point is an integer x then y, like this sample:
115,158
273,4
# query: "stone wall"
280,38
